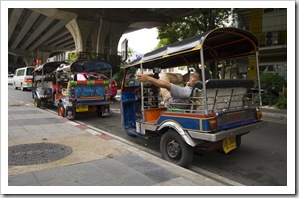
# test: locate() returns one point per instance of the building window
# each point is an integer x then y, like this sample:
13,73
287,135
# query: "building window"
281,69
268,10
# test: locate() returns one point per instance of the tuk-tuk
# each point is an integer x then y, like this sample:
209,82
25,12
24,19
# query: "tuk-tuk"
80,88
220,109
43,77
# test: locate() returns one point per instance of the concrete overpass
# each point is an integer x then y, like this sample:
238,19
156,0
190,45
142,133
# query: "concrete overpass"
43,32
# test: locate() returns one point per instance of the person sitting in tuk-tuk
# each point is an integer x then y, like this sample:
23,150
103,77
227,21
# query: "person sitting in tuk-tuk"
178,94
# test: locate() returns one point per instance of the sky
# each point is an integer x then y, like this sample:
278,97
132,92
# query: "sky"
141,41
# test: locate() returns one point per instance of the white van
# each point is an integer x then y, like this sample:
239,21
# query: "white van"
23,78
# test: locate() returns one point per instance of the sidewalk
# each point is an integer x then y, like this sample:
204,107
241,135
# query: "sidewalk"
96,158
274,114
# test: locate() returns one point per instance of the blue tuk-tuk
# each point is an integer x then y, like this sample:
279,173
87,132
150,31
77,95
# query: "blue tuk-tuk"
220,109
80,87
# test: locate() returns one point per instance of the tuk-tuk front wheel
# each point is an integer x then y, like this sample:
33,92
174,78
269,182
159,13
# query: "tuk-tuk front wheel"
175,149
61,110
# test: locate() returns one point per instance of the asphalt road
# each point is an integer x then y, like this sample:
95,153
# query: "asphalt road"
260,161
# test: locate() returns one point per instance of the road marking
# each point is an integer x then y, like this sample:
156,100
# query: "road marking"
115,110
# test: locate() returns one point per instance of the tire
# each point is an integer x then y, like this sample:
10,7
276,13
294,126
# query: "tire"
37,102
238,142
61,110
174,149
101,109
22,88
15,87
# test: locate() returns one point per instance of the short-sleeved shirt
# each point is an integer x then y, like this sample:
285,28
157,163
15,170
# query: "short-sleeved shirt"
179,95
180,92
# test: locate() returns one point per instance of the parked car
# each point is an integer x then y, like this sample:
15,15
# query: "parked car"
23,78
10,77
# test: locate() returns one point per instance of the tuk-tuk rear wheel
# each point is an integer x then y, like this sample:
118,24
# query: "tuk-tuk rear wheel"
37,101
61,110
175,149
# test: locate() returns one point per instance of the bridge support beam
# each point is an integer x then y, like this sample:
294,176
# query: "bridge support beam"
96,37
29,61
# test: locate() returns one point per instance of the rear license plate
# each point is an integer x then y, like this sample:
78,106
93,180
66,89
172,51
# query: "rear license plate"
229,144
81,108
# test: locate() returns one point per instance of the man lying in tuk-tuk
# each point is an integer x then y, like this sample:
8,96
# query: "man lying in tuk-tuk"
178,94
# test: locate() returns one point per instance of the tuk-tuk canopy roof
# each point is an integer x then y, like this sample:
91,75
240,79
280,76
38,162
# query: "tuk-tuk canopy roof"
48,67
85,66
221,43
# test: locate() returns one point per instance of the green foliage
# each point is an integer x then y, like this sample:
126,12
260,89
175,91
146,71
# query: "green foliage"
281,103
193,25
272,83
118,77
73,56
270,80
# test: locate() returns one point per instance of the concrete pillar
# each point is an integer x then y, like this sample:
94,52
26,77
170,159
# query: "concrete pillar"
110,30
91,36
43,56
74,29
83,32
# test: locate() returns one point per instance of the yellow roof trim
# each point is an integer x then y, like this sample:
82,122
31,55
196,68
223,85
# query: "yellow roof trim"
197,47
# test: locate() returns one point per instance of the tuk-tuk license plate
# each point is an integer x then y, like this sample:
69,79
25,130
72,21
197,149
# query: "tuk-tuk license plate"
81,108
229,144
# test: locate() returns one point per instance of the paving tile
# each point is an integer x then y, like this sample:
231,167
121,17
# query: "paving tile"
114,168
137,179
61,181
160,174
12,123
27,179
137,163
51,174
88,174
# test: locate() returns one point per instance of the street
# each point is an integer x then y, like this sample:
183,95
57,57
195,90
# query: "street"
260,161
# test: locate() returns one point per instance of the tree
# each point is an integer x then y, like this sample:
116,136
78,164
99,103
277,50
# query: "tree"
196,24
192,25
272,83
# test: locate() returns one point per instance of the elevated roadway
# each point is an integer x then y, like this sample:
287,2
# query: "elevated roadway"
39,33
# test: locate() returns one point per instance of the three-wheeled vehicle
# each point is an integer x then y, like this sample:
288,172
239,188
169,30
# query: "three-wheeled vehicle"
43,77
219,110
81,87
